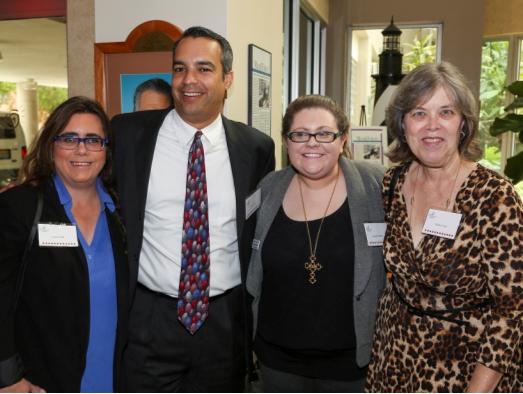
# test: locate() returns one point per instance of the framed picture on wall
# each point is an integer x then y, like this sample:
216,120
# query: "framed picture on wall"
121,66
260,89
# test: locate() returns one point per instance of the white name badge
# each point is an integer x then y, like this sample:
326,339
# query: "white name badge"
442,223
57,235
375,233
252,203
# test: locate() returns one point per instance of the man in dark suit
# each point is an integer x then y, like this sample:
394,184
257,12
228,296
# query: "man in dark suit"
152,150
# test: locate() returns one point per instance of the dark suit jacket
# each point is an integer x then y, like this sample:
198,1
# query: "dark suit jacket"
49,331
252,157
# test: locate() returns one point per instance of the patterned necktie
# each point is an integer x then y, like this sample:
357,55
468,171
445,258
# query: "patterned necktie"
193,293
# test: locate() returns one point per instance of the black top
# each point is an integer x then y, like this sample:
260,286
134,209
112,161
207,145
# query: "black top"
303,328
49,333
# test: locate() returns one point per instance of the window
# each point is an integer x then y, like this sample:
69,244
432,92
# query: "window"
494,62
419,44
304,52
304,55
502,64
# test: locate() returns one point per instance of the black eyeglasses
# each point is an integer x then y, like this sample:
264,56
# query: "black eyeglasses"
323,137
69,142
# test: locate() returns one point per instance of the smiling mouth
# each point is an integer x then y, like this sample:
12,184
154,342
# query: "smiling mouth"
313,155
432,139
189,94
80,164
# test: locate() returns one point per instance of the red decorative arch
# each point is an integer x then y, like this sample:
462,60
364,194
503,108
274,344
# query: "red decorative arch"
102,50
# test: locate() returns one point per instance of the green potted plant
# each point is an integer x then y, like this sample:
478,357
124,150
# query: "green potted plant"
514,123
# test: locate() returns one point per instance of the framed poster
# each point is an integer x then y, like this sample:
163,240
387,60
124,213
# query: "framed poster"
369,143
260,89
145,53
129,83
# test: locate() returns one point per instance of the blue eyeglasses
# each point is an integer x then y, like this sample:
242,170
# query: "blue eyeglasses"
69,142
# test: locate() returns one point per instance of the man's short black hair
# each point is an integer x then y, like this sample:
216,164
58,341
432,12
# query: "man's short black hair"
198,31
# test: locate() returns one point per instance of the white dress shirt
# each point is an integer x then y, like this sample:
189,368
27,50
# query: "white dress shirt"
162,237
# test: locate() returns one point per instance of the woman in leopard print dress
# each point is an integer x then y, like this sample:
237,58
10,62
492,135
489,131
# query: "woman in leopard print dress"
451,318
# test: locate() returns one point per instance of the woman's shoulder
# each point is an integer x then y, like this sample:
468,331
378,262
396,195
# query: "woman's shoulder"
18,194
276,176
493,184
365,168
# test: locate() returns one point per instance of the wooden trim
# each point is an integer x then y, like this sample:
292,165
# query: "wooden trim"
102,49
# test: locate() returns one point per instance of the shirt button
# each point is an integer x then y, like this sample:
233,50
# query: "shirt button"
90,256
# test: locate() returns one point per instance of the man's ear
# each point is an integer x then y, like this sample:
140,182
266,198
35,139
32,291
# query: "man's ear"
229,78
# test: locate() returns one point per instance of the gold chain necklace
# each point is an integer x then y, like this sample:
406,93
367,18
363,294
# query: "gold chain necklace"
451,190
312,265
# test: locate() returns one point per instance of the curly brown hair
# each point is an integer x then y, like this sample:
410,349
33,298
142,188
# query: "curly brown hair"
39,163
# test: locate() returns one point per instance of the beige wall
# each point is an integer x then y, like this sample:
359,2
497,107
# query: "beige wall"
462,32
80,49
503,17
321,8
259,23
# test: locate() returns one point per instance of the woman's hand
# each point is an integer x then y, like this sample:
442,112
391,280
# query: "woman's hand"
22,386
484,380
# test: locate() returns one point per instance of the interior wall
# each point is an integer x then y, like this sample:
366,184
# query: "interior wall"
115,19
261,24
503,17
462,35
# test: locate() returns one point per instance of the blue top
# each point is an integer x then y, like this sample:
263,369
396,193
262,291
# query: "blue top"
98,374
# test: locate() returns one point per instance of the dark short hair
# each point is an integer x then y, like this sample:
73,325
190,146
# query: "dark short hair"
316,101
157,85
416,88
198,31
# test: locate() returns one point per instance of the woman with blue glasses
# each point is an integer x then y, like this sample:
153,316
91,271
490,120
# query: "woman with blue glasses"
314,275
63,272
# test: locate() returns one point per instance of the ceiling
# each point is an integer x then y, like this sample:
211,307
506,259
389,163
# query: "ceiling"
34,49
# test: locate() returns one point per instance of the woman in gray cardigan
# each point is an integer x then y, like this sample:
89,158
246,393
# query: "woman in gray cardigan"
314,278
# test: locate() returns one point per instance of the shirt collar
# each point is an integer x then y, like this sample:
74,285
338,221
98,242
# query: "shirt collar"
65,197
212,134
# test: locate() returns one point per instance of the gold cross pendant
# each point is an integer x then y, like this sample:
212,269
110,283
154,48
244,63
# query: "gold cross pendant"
312,265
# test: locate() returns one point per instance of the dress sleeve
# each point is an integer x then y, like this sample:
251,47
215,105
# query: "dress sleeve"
502,246
13,236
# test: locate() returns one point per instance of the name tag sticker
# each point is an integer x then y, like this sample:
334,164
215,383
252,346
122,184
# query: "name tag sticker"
57,235
375,233
252,203
442,224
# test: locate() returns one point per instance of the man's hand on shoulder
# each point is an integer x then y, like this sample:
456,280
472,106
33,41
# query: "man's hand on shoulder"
22,386
12,184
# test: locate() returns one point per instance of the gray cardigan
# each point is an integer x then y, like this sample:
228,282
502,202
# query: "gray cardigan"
364,193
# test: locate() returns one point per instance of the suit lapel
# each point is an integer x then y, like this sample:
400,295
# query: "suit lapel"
145,143
56,212
359,212
241,169
272,202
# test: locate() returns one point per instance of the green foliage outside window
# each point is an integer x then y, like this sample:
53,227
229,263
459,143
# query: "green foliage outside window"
420,52
494,60
49,97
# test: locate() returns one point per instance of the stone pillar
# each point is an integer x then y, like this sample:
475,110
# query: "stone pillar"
27,97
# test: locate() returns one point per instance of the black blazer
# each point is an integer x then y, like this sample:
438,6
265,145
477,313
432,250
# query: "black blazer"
252,157
49,331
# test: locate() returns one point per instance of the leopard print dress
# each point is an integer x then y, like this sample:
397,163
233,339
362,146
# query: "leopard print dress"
415,353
